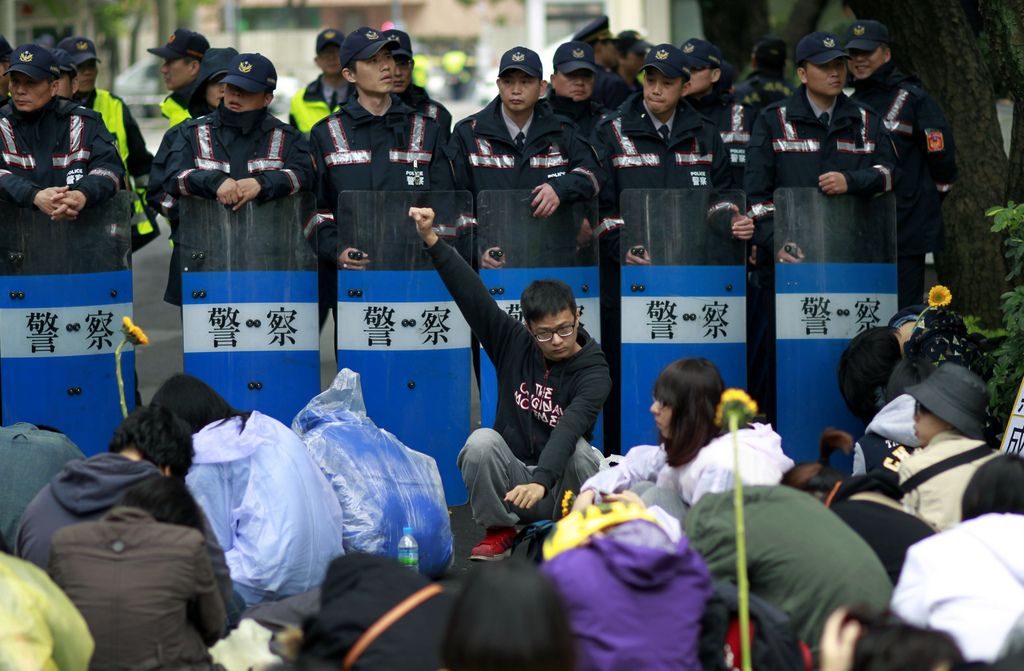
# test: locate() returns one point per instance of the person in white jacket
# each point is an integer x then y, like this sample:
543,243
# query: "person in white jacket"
691,459
268,503
969,581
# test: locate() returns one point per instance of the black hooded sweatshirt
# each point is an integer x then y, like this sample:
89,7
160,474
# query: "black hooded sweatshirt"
544,407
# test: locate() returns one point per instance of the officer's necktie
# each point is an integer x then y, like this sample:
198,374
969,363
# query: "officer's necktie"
664,131
520,141
823,118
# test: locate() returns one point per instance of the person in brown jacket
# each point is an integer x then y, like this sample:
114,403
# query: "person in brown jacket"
142,581
949,420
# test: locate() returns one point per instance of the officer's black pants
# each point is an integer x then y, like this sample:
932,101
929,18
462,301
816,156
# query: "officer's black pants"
910,279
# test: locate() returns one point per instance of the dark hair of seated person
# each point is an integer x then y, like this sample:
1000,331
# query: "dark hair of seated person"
195,402
159,436
691,388
909,371
888,644
167,500
497,600
864,369
996,487
818,478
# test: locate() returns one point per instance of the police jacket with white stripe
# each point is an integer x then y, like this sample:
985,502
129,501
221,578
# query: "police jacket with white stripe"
790,147
60,144
199,154
638,158
733,121
924,142
354,150
485,158
584,113
417,98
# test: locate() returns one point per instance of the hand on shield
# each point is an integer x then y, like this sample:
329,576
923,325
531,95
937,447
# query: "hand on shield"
227,192
832,183
247,189
585,236
638,256
545,201
493,258
49,199
353,259
424,218
742,225
790,253
71,205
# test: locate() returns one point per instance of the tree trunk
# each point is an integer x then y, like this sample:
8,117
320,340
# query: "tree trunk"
734,26
803,19
1005,32
932,39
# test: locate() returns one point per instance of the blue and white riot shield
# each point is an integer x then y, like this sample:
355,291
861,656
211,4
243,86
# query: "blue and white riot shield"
249,302
687,300
835,276
66,287
561,247
399,328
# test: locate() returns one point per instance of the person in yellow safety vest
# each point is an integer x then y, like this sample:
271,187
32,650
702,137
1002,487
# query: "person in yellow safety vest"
182,54
122,125
325,94
5,62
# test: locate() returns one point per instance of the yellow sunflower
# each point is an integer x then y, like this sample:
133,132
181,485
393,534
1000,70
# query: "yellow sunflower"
939,296
134,334
735,402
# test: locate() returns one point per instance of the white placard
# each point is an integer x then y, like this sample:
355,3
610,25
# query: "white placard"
251,327
590,310
832,316
690,320
412,326
64,331
1013,436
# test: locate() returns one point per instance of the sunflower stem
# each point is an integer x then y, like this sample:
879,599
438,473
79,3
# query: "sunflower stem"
743,583
120,378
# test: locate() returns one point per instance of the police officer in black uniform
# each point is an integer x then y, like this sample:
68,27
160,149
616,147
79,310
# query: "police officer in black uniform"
816,137
924,142
632,52
57,155
767,83
414,96
237,154
572,86
516,143
655,140
5,62
704,91
609,88
327,92
374,142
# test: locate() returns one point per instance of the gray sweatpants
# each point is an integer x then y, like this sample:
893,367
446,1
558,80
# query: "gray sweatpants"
490,470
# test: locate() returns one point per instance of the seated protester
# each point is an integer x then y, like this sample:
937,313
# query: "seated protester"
38,126
358,592
270,506
151,441
39,626
863,641
552,381
141,578
209,86
940,335
572,86
634,594
236,154
864,370
67,83
414,96
29,457
890,435
818,478
691,458
969,580
949,421
496,601
801,558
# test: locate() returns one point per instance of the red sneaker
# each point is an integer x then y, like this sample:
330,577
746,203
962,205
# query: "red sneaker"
496,545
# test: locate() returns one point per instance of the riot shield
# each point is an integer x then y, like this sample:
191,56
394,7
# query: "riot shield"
835,277
561,247
249,302
66,287
689,301
399,327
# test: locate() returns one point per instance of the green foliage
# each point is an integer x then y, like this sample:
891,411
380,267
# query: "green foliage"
975,325
1007,360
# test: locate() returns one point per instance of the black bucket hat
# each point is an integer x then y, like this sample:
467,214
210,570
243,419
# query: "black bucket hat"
956,395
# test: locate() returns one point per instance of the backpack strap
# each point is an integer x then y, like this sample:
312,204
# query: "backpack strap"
949,463
400,610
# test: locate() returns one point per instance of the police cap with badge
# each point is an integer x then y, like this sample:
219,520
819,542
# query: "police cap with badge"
362,44
80,48
573,57
701,54
183,43
669,60
35,61
595,31
65,63
522,59
818,48
327,37
251,72
631,42
866,36
402,43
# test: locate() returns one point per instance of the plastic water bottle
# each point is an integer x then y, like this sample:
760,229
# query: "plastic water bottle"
409,550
